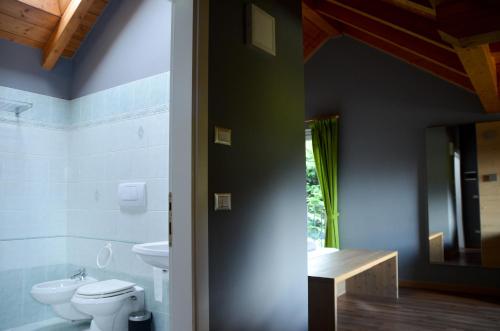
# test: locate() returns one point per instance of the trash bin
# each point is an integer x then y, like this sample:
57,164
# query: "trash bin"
140,321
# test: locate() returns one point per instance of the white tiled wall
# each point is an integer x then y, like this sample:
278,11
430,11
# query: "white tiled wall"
46,111
33,165
131,150
60,166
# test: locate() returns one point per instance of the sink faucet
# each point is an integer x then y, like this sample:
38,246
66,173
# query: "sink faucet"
80,274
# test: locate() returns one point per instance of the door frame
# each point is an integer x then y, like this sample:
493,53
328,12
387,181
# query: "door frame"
188,282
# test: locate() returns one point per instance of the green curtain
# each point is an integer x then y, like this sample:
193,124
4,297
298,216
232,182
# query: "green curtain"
325,144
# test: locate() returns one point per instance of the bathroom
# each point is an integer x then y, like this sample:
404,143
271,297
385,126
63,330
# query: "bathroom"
69,136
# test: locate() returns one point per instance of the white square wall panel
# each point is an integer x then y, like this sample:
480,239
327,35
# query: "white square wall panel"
132,196
261,29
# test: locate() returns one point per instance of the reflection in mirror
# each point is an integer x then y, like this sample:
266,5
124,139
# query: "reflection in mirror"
463,191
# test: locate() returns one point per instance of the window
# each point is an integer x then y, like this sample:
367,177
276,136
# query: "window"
316,215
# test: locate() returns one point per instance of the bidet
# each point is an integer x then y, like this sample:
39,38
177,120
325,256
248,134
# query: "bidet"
58,294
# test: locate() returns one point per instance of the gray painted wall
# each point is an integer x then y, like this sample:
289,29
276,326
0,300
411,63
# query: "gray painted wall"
20,68
385,107
130,41
258,271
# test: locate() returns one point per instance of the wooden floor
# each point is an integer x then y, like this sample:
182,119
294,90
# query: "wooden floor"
420,310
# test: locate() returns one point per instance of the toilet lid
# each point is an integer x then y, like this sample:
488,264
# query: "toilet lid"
105,287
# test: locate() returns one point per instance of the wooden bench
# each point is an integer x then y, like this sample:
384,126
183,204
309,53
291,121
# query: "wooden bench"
370,273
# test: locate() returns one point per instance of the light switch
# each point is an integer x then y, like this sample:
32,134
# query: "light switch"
222,136
222,201
490,178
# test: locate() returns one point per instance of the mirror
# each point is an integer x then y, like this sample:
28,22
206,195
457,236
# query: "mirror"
463,194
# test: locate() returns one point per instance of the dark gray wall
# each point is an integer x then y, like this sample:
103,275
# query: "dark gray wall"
130,41
385,106
258,272
20,68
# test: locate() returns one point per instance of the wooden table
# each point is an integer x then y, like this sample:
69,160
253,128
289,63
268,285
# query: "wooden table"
370,273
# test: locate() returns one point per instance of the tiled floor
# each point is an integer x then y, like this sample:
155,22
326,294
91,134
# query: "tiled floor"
53,324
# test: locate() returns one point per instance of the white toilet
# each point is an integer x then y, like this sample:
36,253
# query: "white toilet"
109,303
58,294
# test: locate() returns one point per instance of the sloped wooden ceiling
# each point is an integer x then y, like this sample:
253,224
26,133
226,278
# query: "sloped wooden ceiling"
58,27
456,40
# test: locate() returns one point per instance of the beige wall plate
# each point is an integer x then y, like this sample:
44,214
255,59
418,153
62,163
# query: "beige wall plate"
261,29
222,201
222,136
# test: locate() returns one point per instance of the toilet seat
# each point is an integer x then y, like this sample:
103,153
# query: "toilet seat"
105,289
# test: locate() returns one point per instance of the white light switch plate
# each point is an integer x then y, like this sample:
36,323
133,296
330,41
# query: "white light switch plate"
222,201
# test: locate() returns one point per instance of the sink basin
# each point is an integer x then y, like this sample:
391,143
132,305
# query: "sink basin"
154,254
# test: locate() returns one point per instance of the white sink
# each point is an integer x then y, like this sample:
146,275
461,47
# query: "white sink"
154,254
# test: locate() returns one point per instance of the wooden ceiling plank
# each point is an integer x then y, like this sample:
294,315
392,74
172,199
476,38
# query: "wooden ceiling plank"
419,53
495,47
398,18
98,7
29,14
67,26
496,58
415,7
63,5
89,20
20,39
68,54
314,38
467,23
73,45
439,55
408,57
481,69
48,6
86,25
23,29
318,20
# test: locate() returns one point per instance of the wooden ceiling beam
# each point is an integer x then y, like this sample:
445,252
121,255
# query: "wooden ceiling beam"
70,20
414,7
441,56
482,71
391,15
409,57
466,23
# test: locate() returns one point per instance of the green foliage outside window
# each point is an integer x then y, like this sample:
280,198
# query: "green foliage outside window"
316,216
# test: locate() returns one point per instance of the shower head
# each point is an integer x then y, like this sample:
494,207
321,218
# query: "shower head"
13,106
